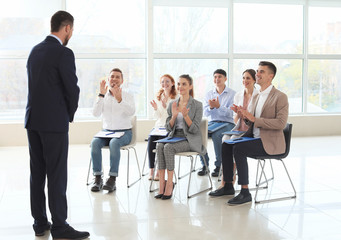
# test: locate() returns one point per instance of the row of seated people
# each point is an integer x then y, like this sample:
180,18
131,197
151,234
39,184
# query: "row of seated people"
259,114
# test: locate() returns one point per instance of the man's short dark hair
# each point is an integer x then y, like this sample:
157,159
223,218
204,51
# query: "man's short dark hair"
270,65
61,19
220,71
117,70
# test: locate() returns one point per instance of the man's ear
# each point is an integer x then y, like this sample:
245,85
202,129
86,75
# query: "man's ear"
68,28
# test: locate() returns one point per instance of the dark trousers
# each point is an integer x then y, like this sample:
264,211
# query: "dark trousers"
48,159
151,146
239,152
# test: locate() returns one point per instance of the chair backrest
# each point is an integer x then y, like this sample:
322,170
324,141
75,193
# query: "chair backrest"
204,131
287,135
133,130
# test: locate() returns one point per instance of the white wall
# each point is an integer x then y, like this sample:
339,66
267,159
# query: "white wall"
14,134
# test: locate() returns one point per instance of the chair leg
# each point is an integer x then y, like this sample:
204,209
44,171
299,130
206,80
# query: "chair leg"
151,181
189,180
280,198
87,180
272,171
220,172
144,163
137,162
195,164
191,170
267,180
258,180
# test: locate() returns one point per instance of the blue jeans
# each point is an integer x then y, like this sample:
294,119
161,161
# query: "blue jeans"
115,154
217,143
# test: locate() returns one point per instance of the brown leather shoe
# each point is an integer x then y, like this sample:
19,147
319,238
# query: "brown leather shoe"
110,185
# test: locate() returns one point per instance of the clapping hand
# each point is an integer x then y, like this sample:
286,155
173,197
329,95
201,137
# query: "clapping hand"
234,108
237,109
184,112
214,103
175,109
247,115
154,105
117,93
103,88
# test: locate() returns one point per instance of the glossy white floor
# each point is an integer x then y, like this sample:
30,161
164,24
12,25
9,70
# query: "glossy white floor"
133,213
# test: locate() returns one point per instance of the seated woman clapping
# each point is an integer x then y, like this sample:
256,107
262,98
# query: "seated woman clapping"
166,93
184,118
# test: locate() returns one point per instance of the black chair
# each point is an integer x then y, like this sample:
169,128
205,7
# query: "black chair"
280,157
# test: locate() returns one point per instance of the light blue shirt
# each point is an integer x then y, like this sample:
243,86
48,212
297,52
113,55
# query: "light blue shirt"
223,113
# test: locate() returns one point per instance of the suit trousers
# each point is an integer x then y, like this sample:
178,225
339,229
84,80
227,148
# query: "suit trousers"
239,153
48,158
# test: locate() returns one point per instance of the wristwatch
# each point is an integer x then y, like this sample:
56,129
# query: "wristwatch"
101,95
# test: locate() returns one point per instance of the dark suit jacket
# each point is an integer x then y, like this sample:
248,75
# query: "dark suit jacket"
192,133
52,87
272,121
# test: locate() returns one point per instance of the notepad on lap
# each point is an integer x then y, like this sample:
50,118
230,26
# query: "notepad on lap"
241,139
214,126
171,140
159,131
109,134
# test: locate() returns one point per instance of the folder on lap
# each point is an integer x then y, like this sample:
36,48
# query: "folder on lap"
214,126
234,132
109,134
171,140
241,139
159,131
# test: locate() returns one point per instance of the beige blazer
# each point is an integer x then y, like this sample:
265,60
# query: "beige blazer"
272,121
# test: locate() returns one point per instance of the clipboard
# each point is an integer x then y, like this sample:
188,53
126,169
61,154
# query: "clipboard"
159,131
214,126
171,140
239,140
234,132
109,134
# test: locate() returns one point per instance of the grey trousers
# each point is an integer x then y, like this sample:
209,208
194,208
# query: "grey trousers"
165,152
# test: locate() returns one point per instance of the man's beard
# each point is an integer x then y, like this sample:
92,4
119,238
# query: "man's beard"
66,40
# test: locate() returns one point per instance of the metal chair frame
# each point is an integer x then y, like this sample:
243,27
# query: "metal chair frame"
130,146
261,165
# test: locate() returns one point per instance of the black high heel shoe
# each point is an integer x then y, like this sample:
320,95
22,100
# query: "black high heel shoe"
159,196
166,197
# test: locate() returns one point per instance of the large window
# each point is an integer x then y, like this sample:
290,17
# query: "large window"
201,70
190,30
324,86
324,30
288,78
108,26
21,28
268,28
149,38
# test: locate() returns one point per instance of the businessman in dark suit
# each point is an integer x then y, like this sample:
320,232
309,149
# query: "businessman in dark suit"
51,104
